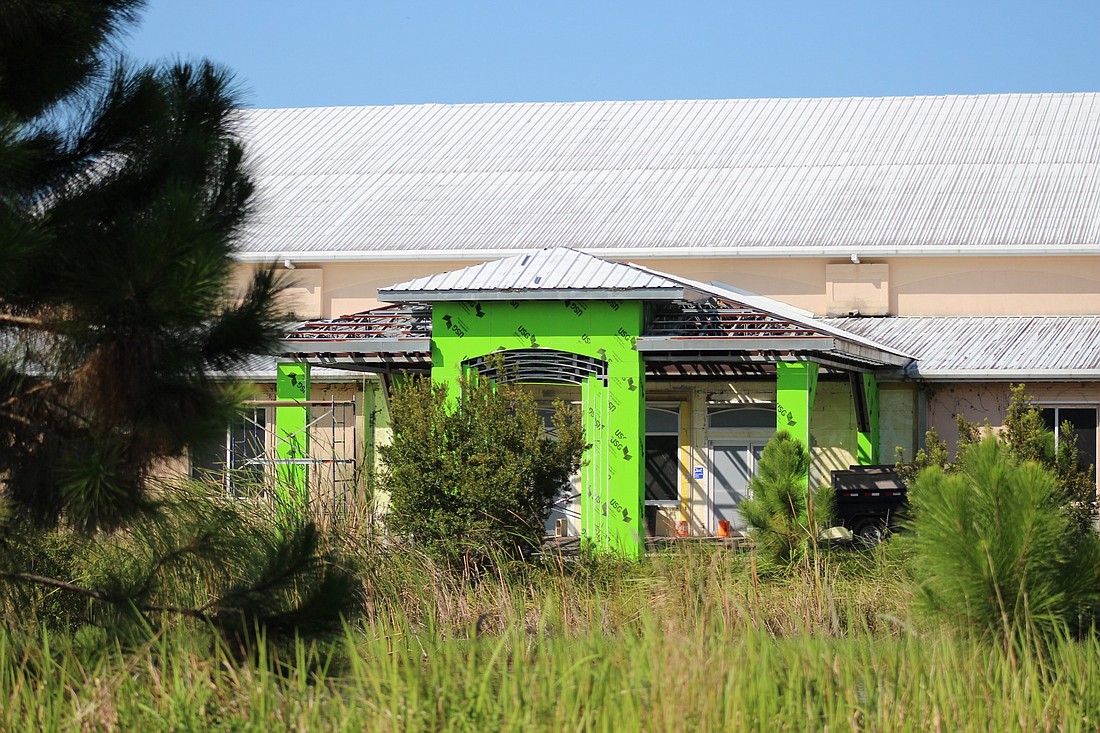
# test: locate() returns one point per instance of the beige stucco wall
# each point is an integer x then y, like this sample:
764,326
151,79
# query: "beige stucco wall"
917,285
995,286
832,431
898,421
980,402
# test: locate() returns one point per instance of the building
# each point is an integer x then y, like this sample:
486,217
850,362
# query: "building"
876,266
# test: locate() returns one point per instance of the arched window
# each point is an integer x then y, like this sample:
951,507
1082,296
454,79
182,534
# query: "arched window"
742,416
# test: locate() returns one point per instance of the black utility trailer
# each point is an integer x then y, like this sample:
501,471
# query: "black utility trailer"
869,501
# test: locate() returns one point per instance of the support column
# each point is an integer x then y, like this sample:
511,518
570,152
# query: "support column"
867,441
613,480
292,441
796,384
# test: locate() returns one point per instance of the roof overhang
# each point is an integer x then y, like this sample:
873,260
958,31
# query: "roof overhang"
435,296
961,249
1004,375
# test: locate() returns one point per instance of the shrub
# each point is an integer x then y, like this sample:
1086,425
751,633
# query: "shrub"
995,552
1025,435
475,473
785,516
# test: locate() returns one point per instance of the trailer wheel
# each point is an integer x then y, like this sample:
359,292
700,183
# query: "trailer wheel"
869,532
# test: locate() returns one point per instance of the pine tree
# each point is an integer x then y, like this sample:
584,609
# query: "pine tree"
785,515
122,192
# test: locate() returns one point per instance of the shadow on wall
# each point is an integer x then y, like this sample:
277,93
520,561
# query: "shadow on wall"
977,403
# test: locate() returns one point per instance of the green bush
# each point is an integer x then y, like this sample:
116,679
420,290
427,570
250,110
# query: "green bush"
994,550
784,515
1025,435
475,473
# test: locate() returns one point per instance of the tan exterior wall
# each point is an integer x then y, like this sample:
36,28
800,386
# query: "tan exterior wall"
898,421
995,286
832,431
981,402
916,286
913,286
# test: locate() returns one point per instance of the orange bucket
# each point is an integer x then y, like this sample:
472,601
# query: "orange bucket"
723,528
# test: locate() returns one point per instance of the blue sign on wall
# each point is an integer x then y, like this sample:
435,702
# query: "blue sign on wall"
698,472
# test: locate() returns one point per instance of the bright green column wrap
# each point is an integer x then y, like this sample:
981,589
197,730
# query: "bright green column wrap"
867,444
796,383
292,440
612,481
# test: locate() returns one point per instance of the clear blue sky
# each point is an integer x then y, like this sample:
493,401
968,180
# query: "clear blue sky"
352,52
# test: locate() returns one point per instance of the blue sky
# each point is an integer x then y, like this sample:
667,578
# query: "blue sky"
352,52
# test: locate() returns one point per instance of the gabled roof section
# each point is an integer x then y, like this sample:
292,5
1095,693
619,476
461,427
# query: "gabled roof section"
690,320
546,274
1004,174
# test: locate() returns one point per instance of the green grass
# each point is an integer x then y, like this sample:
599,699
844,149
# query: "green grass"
686,641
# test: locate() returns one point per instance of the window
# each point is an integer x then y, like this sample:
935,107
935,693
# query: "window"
236,461
1083,422
662,456
742,416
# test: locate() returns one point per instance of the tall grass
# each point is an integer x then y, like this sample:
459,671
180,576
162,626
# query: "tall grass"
689,640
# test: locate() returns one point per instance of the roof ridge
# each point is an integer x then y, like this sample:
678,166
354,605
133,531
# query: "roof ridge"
701,100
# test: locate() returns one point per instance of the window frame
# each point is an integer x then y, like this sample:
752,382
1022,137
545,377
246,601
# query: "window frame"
675,408
1058,406
230,470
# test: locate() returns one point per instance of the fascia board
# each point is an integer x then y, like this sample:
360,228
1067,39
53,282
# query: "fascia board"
754,252
438,296
1006,375
647,344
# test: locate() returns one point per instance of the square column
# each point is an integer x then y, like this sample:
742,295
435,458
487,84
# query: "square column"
292,441
796,385
613,477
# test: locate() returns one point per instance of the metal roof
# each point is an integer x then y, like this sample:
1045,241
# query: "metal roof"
997,347
692,320
538,275
263,368
1003,173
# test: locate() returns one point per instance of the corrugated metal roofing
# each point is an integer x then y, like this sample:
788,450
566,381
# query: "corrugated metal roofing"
263,368
541,271
823,175
548,272
1020,345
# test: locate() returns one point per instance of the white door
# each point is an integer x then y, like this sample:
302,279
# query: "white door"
731,466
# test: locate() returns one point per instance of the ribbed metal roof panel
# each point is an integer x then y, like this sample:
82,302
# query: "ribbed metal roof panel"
987,343
990,170
540,270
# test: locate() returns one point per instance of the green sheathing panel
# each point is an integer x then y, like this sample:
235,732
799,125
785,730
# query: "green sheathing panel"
868,443
796,384
612,481
292,436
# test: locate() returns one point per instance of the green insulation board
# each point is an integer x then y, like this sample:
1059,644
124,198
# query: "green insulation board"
613,477
292,440
796,384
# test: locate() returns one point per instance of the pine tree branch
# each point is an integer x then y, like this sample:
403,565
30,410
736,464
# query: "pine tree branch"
41,386
99,595
36,324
